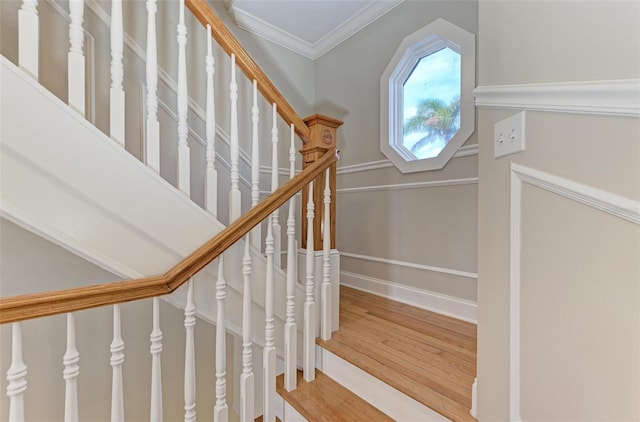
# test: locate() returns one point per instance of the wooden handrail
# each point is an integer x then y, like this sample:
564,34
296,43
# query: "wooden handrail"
19,308
203,12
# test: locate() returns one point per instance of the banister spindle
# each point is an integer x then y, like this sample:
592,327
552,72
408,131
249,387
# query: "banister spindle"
28,37
152,126
116,92
290,328
256,233
309,360
221,411
234,193
247,377
71,372
184,158
269,352
16,376
76,57
325,314
190,357
275,217
117,359
211,179
156,412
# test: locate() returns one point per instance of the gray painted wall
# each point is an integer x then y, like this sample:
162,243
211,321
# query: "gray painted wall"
579,307
433,226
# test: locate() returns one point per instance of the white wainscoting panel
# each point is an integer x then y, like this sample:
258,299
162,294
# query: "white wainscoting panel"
607,202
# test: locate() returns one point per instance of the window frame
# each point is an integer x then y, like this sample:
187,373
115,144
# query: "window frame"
428,40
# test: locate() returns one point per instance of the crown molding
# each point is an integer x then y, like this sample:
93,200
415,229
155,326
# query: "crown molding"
619,97
313,51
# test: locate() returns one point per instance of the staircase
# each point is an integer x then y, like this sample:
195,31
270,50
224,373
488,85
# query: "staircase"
118,204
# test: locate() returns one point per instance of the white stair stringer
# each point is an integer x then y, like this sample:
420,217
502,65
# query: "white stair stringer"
66,181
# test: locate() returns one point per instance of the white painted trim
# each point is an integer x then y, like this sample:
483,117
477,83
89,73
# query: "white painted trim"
410,265
461,309
612,204
619,97
414,185
377,393
381,164
263,29
363,17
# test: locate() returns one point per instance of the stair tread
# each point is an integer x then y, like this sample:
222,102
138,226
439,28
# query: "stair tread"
326,400
429,357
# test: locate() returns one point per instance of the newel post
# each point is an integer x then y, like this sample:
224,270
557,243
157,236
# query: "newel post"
323,138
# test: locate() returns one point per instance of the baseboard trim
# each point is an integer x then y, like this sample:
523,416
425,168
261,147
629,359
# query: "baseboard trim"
461,309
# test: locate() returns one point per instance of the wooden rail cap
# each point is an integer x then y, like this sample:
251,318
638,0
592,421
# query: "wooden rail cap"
37,305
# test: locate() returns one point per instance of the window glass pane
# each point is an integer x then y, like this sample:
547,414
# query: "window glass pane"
432,103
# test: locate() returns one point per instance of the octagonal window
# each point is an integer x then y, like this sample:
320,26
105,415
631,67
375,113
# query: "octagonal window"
426,109
431,107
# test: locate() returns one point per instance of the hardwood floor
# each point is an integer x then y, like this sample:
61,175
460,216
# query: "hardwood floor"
326,400
428,356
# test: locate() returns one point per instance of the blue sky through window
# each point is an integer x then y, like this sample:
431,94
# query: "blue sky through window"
436,76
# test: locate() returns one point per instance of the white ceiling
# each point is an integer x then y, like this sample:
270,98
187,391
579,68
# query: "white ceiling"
308,27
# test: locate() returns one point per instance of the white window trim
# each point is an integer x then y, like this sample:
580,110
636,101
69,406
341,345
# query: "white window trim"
433,37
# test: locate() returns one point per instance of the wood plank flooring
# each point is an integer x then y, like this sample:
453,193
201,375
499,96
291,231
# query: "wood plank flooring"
326,400
428,356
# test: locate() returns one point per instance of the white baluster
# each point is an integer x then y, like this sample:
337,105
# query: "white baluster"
156,365
290,328
117,74
256,233
234,193
221,411
269,353
184,159
17,376
275,217
325,316
309,358
71,371
247,378
76,56
153,127
190,357
211,180
28,36
117,359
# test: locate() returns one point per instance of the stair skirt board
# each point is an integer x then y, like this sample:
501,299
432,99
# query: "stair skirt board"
385,398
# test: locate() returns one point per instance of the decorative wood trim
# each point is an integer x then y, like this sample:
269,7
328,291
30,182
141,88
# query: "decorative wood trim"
24,307
415,185
381,164
461,309
612,204
410,265
619,97
203,12
363,17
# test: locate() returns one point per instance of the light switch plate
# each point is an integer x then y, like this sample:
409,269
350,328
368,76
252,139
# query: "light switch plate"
508,135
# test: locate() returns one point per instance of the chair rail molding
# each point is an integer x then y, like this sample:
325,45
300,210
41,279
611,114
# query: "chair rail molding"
410,265
618,206
414,185
619,97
